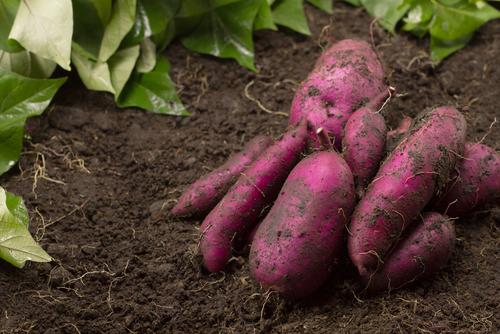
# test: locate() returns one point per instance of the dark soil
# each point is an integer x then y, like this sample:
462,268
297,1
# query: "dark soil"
123,265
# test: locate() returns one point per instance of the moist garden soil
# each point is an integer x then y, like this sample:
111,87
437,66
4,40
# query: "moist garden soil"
99,182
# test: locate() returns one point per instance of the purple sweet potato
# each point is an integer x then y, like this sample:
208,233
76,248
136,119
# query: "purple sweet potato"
395,136
418,168
345,77
427,247
239,209
202,196
301,238
476,181
364,143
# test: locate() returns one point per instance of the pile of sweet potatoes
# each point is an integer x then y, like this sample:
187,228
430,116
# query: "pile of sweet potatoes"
299,203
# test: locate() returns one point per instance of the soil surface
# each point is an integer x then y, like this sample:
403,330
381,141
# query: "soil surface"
108,177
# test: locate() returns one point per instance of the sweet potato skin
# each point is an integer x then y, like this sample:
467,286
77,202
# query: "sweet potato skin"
476,181
425,250
364,145
418,168
202,196
301,238
345,77
239,209
394,136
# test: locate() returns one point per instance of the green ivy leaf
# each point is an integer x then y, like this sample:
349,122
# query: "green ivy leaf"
121,65
264,18
94,74
453,23
226,32
16,243
441,49
8,10
45,28
147,59
324,5
20,98
153,91
88,28
418,18
121,21
389,12
353,2
190,8
290,14
103,8
27,64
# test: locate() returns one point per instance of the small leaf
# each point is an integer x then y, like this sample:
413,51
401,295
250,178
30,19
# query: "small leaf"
453,23
324,5
20,98
27,64
45,28
153,91
264,18
16,243
441,49
226,32
8,10
95,75
122,20
290,13
147,59
389,12
121,65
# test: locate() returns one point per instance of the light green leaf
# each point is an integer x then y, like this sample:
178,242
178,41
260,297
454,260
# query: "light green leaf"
226,32
290,13
121,65
88,28
20,98
45,28
453,23
264,18
147,59
16,243
389,12
441,49
122,20
95,75
153,91
103,8
8,10
27,64
324,5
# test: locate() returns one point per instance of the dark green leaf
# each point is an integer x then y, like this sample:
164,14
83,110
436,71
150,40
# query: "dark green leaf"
441,49
264,18
389,12
453,23
153,91
88,28
290,13
226,32
16,244
20,98
353,2
325,5
103,8
191,8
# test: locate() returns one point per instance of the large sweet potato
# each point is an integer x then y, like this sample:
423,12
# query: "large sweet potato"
345,77
418,168
300,239
476,181
426,248
240,208
202,196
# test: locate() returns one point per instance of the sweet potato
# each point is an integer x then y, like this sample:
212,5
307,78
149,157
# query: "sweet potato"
239,209
394,136
364,143
476,181
300,239
425,250
418,168
202,196
345,77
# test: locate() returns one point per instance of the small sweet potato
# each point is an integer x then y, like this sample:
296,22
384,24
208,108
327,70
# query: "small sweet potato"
418,168
426,248
202,196
395,136
301,238
240,208
346,76
364,144
476,181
